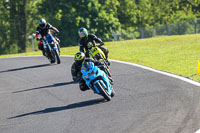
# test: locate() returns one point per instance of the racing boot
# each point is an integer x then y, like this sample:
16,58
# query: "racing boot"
83,86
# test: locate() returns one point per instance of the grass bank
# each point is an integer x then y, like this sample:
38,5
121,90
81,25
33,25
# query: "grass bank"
174,54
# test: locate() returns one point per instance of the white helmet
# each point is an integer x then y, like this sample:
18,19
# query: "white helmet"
42,23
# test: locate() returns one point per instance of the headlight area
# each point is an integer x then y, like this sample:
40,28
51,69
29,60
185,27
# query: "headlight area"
87,77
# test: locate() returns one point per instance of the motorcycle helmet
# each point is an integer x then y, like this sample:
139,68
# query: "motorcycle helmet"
82,32
79,58
42,23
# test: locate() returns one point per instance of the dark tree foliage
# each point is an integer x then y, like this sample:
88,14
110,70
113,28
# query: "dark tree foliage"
19,18
98,17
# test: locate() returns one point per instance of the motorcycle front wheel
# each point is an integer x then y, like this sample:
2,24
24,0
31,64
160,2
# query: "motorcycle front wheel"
57,56
50,56
103,91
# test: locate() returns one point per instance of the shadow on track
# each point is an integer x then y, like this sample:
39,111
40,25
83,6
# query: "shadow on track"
24,68
48,86
70,106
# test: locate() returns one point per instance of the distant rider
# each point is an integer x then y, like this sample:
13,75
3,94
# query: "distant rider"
44,30
80,59
89,40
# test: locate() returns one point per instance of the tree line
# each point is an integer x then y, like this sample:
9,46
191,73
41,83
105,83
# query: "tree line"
19,18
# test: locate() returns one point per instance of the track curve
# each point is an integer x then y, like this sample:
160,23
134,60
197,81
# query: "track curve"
36,97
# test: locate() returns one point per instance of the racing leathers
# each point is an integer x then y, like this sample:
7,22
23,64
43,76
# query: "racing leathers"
87,42
77,76
41,32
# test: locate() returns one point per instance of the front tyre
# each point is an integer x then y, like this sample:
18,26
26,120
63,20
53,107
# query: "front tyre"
49,56
57,56
113,93
103,91
51,60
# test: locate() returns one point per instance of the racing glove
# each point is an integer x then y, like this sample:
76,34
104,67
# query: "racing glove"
101,44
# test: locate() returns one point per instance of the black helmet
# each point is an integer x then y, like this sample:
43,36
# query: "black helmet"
42,23
82,32
79,58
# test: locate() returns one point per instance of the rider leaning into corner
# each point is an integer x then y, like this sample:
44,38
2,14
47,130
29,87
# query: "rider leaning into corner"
88,41
44,30
79,60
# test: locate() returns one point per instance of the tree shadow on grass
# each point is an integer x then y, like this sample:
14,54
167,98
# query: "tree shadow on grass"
70,106
48,86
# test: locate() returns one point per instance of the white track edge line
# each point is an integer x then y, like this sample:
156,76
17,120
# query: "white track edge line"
160,72
198,131
136,65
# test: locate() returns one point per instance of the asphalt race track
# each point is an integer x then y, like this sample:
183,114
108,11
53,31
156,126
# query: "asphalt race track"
36,97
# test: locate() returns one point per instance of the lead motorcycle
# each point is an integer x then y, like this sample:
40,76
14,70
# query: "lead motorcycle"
97,80
52,50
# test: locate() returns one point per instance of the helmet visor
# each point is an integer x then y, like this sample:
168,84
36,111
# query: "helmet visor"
42,25
81,34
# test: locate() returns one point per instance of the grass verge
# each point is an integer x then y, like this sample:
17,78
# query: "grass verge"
174,54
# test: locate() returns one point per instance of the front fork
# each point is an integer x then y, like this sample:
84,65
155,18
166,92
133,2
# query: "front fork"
57,47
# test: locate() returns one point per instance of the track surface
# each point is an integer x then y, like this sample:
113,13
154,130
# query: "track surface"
36,97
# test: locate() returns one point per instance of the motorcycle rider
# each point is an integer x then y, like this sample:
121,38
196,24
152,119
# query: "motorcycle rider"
89,40
44,30
79,59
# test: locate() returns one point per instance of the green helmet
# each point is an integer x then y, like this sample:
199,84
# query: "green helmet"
79,58
82,32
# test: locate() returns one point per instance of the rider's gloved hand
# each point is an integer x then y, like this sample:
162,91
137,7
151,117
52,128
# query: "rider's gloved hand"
102,43
56,33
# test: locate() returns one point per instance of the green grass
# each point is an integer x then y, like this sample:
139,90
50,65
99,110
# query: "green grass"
174,54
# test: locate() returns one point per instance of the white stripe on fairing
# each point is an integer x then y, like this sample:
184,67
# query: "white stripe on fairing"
136,65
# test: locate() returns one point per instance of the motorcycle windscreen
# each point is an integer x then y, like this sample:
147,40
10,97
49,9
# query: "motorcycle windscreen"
50,38
87,66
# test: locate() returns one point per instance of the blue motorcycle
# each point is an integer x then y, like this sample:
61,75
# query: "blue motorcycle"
52,48
97,80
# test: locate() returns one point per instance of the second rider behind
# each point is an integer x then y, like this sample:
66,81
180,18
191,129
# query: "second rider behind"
89,40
